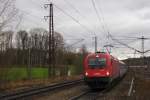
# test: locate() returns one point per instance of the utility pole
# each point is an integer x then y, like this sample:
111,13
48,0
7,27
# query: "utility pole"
29,59
134,54
142,47
95,38
51,40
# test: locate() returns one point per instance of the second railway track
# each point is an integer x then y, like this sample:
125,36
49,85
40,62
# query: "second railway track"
90,95
38,90
94,94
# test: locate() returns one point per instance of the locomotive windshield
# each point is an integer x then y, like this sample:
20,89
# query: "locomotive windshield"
97,62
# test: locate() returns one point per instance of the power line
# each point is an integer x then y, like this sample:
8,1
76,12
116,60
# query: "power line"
71,16
31,15
73,36
79,22
95,38
104,24
77,11
73,39
37,4
72,6
129,37
101,22
142,45
37,17
79,41
75,20
98,15
124,44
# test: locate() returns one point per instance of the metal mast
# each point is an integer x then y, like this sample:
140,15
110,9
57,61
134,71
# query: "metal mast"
51,40
95,38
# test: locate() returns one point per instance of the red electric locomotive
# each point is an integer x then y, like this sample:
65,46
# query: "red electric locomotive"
101,69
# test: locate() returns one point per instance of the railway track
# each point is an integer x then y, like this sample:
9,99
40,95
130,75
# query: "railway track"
90,95
95,94
80,95
38,90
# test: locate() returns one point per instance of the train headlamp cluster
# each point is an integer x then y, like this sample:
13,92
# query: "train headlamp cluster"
107,73
86,74
97,56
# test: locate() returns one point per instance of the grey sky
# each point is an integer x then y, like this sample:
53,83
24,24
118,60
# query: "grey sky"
123,18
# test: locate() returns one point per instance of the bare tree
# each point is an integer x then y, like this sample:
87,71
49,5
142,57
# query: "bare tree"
59,47
8,13
22,45
6,46
39,45
84,50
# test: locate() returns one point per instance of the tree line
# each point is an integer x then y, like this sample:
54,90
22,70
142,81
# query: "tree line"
23,48
31,45
30,48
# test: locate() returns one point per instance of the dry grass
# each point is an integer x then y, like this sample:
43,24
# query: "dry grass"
23,84
142,87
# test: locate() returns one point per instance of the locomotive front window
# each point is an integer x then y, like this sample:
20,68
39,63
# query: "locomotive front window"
97,62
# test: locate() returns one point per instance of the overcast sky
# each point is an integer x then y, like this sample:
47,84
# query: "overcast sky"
128,18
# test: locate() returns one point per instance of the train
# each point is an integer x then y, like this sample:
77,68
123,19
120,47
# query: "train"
101,69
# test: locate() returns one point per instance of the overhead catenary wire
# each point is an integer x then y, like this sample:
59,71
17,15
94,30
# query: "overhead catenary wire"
72,6
127,37
28,20
78,12
116,40
119,45
75,20
31,15
98,18
34,2
79,22
72,35
105,26
101,21
83,26
109,35
128,41
79,41
37,17
98,15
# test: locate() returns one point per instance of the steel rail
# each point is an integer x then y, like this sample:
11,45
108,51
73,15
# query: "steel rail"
38,90
79,96
97,95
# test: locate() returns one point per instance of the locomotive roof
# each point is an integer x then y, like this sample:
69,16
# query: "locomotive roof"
103,53
99,53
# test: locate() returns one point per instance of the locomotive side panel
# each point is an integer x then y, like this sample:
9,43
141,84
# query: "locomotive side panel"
123,69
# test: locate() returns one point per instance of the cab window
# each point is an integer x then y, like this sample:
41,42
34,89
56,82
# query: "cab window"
97,62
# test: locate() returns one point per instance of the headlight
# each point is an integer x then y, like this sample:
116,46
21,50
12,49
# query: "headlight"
86,74
107,73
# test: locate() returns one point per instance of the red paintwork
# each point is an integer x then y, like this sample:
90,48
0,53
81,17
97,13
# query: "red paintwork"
112,66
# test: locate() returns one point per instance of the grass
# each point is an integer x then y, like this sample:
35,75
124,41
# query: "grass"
39,73
20,73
